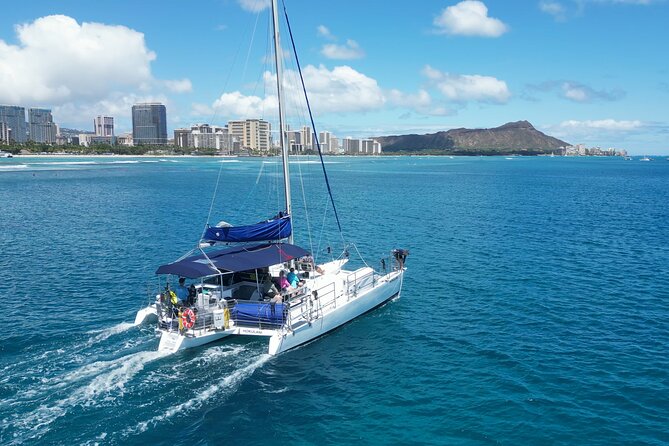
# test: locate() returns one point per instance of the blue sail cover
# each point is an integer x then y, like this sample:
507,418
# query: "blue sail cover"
275,229
240,258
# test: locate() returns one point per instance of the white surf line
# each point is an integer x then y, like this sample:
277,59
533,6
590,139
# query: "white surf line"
109,377
229,383
108,332
65,163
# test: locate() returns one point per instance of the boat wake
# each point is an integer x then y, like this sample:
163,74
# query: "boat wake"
101,335
96,384
224,387
134,391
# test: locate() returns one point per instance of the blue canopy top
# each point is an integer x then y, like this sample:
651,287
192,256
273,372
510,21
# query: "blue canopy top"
239,258
275,229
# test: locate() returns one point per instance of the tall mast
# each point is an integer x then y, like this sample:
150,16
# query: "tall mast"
282,121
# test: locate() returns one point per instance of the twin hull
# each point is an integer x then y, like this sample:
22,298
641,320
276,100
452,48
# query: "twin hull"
344,308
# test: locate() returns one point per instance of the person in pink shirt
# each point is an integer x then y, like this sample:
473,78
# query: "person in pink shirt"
284,285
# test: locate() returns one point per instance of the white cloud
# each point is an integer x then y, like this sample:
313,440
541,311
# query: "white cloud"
59,60
323,31
468,87
242,106
179,86
556,9
469,18
351,50
339,90
603,124
575,91
420,102
254,5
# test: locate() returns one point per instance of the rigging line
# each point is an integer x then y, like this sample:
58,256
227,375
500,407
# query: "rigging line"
360,255
306,208
220,169
230,71
213,199
311,117
248,53
322,231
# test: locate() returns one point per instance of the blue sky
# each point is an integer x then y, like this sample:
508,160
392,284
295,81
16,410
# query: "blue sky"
587,71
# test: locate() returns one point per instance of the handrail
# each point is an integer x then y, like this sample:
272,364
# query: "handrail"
299,308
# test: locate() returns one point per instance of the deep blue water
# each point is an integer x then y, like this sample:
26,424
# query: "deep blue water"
535,309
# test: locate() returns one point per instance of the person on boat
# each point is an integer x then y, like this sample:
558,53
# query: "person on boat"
277,299
284,284
268,288
293,279
182,291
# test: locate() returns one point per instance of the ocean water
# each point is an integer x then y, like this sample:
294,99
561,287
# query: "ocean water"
535,307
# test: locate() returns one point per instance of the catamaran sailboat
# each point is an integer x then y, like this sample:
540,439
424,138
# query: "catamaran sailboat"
238,276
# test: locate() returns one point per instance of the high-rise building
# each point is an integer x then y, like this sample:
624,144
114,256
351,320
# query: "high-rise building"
307,138
103,126
257,135
5,133
334,144
149,123
41,126
181,137
325,140
253,134
15,119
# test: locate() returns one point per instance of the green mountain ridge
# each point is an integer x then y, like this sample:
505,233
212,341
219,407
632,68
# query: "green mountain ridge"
511,138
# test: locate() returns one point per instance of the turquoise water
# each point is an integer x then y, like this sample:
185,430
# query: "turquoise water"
535,309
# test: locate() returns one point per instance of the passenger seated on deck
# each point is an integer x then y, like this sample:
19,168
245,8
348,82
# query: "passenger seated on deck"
268,288
293,279
284,284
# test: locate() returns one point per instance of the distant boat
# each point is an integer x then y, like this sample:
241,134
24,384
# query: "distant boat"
6,155
645,158
552,155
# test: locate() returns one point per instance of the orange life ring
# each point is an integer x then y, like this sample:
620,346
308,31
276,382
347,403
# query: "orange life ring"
188,318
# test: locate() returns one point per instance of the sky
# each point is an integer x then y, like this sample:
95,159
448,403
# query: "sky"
594,72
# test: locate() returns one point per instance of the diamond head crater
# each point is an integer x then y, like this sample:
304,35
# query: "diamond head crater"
513,138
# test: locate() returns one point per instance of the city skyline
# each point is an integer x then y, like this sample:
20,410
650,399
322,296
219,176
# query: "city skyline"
584,71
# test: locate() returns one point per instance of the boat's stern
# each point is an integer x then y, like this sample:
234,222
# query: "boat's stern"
170,342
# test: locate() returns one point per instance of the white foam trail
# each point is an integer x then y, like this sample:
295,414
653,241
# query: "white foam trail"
14,166
228,161
227,384
110,376
108,332
66,163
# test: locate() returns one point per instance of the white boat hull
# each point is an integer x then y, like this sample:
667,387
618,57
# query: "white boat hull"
148,314
285,340
173,341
